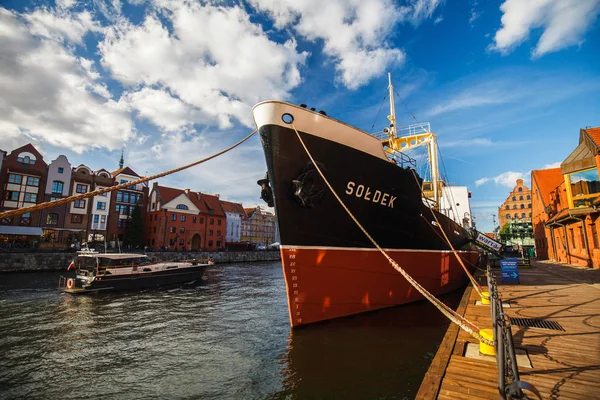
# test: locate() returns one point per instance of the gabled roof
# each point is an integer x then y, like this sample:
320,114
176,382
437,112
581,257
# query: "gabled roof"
545,181
126,171
166,194
231,207
212,204
583,156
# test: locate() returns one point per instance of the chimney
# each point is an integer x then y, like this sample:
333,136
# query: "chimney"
187,192
217,195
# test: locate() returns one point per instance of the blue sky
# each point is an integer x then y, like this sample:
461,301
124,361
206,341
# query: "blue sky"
506,85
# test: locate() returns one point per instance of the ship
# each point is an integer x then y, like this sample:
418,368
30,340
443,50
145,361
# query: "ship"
100,272
331,268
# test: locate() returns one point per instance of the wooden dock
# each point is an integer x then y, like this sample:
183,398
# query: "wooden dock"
560,364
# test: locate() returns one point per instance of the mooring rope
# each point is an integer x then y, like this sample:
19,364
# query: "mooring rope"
82,196
452,315
437,221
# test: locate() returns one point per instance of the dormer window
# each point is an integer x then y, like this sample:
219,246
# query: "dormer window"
182,207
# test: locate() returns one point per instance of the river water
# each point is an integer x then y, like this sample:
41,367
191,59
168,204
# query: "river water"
227,337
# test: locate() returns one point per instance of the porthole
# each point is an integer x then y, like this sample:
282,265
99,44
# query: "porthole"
287,118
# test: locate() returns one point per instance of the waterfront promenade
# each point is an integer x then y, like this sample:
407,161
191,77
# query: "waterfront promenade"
560,364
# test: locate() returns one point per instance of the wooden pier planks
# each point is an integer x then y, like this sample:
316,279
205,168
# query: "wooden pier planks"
566,364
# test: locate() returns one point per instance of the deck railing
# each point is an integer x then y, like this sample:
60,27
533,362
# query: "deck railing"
509,383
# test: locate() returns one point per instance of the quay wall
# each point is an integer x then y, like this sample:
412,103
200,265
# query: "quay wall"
41,262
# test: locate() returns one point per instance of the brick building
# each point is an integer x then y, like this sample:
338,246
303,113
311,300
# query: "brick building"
517,205
259,228
123,203
569,212
180,219
22,184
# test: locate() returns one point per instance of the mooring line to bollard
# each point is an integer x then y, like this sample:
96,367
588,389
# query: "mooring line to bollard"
482,294
71,199
452,315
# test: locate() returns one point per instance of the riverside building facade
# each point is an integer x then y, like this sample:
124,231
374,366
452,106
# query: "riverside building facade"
567,205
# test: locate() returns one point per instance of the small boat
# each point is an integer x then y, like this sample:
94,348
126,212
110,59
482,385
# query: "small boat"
96,272
330,266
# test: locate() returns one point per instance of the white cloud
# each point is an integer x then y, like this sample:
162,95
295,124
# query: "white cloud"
48,93
473,142
474,15
438,20
223,71
552,165
353,34
563,22
508,179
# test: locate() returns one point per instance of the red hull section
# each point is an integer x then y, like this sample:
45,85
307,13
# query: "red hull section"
326,283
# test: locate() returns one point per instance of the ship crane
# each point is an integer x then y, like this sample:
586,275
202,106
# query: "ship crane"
417,135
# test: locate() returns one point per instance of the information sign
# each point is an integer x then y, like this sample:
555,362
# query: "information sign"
509,267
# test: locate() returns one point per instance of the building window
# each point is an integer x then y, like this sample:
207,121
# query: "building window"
76,218
210,242
12,178
218,222
103,219
522,205
212,221
584,187
121,209
96,218
218,233
523,215
101,205
210,232
201,220
595,236
52,219
81,188
25,219
183,218
182,207
508,207
516,215
32,181
123,181
122,224
181,242
79,204
520,189
528,197
153,206
583,243
125,197
194,219
171,242
572,234
61,170
507,216
119,196
53,198
174,217
529,205
12,196
6,221
30,197
57,187
181,230
172,229
514,198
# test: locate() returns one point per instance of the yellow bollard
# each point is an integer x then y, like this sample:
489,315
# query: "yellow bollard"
486,298
484,348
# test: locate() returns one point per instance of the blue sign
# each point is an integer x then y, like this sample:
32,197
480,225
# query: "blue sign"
509,267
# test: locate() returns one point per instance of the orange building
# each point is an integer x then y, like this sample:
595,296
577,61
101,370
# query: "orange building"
517,205
566,206
183,220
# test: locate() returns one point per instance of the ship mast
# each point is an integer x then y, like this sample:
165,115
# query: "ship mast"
418,135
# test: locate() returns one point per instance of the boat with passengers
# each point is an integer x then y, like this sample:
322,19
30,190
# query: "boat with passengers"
97,272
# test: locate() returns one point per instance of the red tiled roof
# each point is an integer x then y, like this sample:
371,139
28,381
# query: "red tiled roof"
167,193
126,171
231,207
594,134
212,203
546,181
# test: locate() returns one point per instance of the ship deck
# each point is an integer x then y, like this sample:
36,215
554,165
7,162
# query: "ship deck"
560,364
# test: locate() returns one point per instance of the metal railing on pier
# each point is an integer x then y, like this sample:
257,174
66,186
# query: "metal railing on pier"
510,385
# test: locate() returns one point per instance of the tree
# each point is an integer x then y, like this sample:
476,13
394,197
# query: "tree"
134,235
